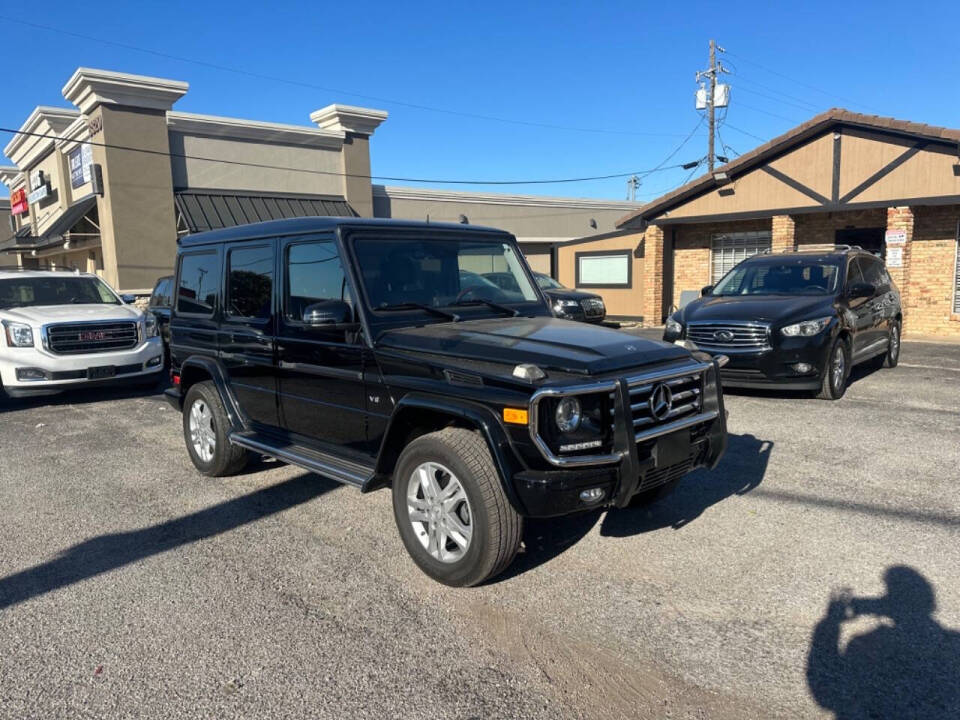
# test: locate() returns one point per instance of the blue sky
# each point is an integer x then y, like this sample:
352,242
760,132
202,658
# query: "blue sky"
623,68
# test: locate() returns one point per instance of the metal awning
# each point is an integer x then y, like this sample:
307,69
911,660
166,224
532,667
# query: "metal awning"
70,217
214,209
56,233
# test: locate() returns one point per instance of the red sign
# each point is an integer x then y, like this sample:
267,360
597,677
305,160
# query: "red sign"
18,202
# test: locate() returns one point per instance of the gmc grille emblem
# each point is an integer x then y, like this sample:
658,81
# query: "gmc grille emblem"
89,335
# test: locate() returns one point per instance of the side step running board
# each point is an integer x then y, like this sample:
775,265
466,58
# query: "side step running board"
345,471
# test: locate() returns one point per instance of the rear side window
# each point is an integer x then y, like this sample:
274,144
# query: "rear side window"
250,273
873,272
314,274
854,273
199,283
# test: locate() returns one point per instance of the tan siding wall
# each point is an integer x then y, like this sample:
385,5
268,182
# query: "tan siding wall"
926,174
929,300
620,302
810,164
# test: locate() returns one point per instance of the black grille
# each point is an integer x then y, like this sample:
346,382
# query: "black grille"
729,336
80,338
592,307
685,399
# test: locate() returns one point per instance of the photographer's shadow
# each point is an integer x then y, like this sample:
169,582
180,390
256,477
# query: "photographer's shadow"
907,667
741,470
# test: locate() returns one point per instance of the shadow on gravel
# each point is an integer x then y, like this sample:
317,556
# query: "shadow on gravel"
907,667
740,471
110,552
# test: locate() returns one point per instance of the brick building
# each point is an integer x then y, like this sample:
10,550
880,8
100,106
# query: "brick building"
889,186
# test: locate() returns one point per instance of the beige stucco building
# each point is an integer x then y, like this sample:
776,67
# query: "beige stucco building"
108,184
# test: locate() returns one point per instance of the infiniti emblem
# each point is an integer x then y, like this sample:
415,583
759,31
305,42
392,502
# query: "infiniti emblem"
723,335
661,401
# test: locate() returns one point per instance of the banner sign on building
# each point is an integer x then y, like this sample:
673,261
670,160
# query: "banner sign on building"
81,158
39,187
18,202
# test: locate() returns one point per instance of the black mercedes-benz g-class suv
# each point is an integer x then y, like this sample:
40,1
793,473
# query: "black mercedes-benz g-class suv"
357,349
796,320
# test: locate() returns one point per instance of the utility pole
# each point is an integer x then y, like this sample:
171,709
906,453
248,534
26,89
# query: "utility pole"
711,105
709,99
633,184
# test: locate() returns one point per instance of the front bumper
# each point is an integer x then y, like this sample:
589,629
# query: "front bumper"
773,367
34,371
641,460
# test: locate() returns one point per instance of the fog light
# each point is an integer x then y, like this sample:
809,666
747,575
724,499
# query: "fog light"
31,374
154,361
802,367
592,495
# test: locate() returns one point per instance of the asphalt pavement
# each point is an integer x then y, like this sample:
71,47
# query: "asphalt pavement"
815,572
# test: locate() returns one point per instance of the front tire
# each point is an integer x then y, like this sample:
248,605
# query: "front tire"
451,509
892,356
205,427
835,374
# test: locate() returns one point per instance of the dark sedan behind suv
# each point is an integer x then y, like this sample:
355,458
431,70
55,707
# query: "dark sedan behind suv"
566,303
796,321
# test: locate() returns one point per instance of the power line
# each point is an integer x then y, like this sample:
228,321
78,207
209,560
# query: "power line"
744,132
767,112
807,108
642,173
800,82
337,91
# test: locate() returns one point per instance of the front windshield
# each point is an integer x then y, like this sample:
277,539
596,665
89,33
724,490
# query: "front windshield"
54,290
441,273
791,277
547,283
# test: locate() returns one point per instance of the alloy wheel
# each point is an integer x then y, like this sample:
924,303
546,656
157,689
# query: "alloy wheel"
439,512
895,343
202,434
838,367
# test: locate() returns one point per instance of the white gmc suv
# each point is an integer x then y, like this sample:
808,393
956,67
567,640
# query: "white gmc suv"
61,330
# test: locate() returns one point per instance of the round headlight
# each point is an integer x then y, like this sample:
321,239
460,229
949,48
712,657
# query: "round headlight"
568,414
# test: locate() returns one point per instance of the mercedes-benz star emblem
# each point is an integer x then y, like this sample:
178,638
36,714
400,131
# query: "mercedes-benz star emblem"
723,335
661,401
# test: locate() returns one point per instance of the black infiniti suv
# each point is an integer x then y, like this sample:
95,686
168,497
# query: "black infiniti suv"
796,320
367,352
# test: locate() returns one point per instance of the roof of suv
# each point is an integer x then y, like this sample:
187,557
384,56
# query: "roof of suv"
7,273
294,226
815,255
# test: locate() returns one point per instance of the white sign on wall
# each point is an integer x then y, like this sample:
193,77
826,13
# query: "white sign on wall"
894,257
896,237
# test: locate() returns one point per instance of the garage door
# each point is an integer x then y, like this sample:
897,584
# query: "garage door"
727,249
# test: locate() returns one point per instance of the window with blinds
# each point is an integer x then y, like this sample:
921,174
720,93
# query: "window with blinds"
727,249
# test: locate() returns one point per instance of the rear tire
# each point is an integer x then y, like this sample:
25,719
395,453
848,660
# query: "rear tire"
451,509
836,372
205,428
892,356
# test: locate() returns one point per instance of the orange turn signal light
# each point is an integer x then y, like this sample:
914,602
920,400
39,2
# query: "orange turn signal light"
515,416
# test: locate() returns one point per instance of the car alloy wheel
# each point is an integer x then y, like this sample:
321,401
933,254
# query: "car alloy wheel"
895,343
838,367
202,433
439,512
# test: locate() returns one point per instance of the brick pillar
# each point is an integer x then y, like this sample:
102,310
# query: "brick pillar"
783,235
651,303
902,218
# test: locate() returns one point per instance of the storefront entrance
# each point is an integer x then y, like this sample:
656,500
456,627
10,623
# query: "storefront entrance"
870,239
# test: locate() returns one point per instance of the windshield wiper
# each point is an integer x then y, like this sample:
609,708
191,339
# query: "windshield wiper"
420,306
513,312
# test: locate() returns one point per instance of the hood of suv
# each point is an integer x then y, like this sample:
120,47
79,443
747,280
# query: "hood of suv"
543,341
43,314
760,308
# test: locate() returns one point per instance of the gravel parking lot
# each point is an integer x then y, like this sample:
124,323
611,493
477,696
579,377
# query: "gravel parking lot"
132,587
